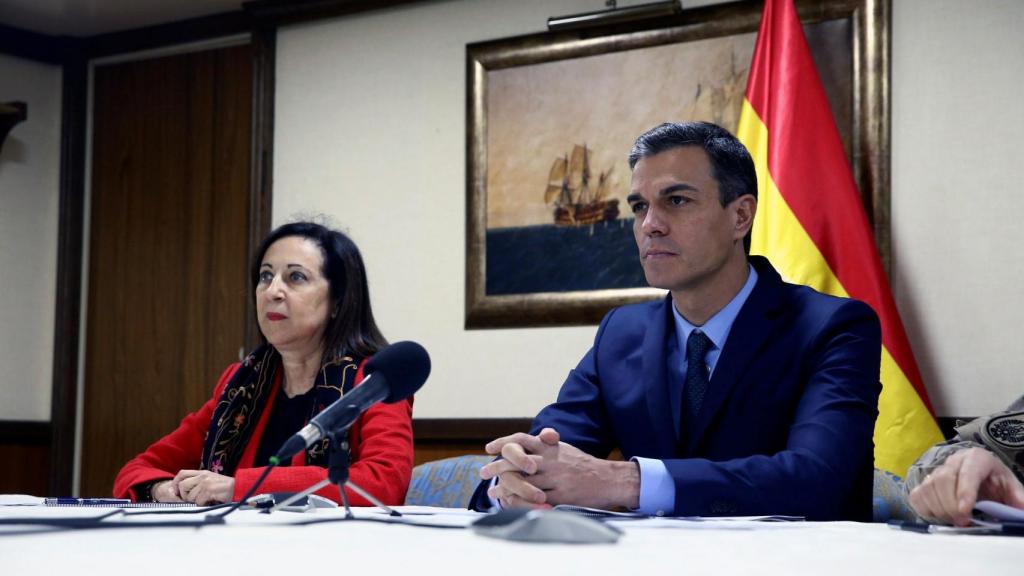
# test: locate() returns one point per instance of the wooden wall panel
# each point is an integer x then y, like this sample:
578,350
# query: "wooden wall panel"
25,453
428,451
438,438
26,468
167,280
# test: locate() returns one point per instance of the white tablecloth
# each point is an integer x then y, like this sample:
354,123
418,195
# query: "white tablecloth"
254,543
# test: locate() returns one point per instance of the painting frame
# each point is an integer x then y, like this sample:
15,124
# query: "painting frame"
868,146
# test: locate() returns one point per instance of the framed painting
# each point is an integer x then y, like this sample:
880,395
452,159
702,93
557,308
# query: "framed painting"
551,119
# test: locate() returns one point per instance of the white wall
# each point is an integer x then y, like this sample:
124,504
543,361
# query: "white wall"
29,202
957,196
371,130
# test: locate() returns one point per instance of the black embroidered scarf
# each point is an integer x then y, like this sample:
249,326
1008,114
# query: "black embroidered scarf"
246,396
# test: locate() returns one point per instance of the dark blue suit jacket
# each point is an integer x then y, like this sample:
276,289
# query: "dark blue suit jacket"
786,425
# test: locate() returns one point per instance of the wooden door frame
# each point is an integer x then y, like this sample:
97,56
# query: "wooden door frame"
70,257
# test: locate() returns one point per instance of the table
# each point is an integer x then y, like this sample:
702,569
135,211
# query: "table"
253,543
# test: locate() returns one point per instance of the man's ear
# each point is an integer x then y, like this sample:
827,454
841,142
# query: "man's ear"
745,207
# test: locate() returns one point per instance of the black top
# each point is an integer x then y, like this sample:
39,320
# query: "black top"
287,417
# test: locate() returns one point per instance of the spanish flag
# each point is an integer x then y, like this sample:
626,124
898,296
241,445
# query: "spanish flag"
811,224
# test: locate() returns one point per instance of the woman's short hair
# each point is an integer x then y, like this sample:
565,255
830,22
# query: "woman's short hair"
351,329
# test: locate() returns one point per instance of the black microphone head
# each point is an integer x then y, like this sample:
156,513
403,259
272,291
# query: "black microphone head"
405,365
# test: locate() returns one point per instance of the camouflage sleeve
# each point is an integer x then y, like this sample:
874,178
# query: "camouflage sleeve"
1001,433
935,456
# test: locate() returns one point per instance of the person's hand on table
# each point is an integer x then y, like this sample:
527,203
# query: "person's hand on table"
543,471
203,487
164,491
949,493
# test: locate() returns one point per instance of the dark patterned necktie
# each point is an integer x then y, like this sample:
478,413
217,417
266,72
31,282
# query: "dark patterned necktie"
697,346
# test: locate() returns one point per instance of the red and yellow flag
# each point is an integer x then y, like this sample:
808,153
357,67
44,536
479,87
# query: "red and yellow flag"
811,224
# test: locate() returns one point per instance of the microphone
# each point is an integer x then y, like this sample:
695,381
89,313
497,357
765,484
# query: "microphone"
393,374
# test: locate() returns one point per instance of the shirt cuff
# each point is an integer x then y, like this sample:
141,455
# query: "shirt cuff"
657,489
495,503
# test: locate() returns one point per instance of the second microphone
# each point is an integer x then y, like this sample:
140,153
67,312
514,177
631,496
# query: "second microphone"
393,374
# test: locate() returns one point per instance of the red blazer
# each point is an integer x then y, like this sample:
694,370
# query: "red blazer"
381,444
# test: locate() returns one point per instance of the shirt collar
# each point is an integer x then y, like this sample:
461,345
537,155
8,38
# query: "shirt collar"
718,326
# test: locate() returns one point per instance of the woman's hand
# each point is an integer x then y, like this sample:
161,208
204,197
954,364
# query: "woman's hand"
203,487
163,491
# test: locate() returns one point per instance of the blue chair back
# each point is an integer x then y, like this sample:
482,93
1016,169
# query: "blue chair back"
447,483
889,499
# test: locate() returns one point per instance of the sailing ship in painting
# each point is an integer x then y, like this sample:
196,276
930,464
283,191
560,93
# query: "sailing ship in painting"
720,100
578,202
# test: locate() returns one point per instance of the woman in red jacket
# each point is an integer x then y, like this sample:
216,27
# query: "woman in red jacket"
313,308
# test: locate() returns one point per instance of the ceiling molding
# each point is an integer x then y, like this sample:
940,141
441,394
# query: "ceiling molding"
281,12
160,35
35,46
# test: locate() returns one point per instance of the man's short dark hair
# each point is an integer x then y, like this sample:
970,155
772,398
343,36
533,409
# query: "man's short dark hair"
731,163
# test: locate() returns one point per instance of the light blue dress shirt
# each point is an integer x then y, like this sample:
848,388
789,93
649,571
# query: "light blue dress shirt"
657,489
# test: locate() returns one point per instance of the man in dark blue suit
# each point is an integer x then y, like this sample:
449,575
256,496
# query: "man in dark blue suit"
736,394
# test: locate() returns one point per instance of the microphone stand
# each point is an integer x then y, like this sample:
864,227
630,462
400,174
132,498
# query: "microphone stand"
337,473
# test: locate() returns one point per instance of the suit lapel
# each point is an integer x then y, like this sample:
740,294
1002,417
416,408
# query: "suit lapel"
751,330
655,377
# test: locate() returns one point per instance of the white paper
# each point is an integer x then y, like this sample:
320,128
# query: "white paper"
20,500
1000,511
